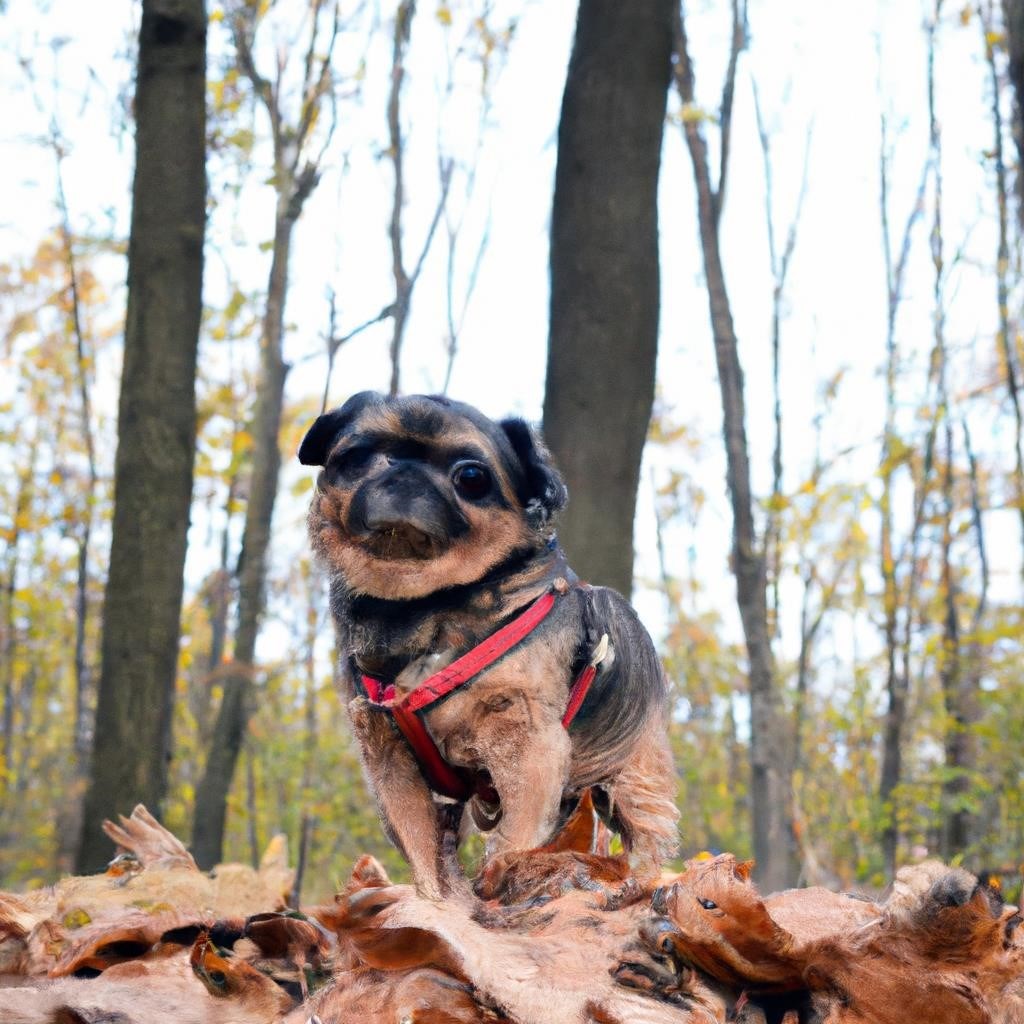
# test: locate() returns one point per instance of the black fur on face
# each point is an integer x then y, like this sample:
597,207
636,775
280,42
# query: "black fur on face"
329,427
543,491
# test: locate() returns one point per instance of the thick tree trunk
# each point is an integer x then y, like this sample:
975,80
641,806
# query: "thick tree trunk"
235,709
156,423
1013,23
604,276
770,739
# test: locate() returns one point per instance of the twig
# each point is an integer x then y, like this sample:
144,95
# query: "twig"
335,343
780,270
737,44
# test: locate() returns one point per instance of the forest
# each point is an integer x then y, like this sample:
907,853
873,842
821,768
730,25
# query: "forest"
759,279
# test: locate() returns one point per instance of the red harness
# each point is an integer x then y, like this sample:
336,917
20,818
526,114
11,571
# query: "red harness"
441,776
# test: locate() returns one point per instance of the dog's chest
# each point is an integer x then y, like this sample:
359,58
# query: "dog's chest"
526,690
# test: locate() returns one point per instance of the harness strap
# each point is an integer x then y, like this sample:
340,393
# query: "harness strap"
578,694
473,662
441,776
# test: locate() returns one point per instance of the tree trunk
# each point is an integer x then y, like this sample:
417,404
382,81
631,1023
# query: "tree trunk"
604,276
235,709
958,693
294,187
1013,23
1007,329
770,740
156,424
9,636
897,682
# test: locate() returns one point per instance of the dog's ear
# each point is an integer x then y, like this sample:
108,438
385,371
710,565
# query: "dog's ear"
320,437
545,492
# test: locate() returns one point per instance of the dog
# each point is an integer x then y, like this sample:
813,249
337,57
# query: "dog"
482,676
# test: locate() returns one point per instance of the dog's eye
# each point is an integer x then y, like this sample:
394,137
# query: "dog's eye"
350,462
707,904
471,480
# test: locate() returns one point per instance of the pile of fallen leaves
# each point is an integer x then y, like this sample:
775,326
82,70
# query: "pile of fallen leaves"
559,935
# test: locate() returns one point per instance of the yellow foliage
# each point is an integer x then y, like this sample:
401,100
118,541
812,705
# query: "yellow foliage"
77,918
691,113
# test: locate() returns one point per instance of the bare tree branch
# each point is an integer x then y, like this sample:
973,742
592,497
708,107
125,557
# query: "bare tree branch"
737,43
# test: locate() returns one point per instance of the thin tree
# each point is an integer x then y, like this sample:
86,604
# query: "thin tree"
770,744
605,277
83,668
779,263
956,675
69,816
405,279
296,173
156,424
1007,348
897,680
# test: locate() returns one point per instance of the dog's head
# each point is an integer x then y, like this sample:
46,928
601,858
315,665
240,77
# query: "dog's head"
420,493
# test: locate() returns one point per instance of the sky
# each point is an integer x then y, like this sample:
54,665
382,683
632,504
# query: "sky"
820,67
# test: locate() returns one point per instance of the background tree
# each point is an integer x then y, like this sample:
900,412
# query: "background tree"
297,160
770,740
893,532
156,424
603,332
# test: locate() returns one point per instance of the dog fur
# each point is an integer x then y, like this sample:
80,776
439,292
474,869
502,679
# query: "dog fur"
423,567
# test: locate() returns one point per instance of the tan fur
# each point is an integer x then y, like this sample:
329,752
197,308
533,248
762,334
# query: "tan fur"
577,858
493,536
643,794
403,797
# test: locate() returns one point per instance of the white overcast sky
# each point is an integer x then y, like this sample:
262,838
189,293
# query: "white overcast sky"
836,65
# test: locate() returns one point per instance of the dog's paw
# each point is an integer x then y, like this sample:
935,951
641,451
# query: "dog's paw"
361,715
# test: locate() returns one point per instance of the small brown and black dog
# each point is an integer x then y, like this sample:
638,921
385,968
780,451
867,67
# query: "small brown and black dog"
435,525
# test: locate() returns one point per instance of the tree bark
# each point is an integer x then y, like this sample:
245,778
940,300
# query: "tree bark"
294,186
604,276
1007,346
1013,24
770,739
156,424
235,709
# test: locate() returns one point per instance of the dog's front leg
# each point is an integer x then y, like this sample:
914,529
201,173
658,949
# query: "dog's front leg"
528,761
404,802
